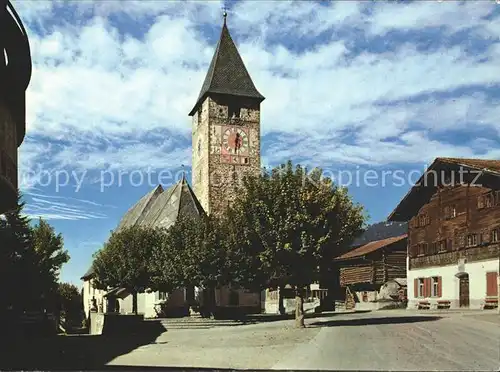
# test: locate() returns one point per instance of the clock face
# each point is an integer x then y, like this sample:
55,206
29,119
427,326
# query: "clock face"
235,141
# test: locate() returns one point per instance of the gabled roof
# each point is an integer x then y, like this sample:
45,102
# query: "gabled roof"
422,191
227,73
162,208
135,214
479,164
89,274
370,247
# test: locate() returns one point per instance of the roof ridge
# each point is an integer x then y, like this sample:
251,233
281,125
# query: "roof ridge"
360,251
195,200
211,67
158,213
181,182
141,208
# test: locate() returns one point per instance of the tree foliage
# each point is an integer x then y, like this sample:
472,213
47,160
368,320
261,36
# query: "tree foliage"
291,223
50,256
190,255
70,302
286,226
125,259
31,258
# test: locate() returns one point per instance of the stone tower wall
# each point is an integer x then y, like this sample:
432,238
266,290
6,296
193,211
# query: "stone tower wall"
214,181
200,159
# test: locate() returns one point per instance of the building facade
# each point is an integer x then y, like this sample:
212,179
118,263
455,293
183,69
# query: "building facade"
373,274
15,75
226,145
453,235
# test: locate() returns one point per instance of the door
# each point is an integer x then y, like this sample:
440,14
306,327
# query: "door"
464,291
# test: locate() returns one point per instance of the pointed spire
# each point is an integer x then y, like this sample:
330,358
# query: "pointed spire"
183,179
224,14
227,73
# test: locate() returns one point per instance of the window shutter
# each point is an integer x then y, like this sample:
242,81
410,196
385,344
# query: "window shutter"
415,288
428,284
491,284
440,287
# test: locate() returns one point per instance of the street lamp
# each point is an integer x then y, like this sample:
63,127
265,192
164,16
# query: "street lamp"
15,75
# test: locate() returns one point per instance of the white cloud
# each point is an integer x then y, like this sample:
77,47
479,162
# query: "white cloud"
41,206
451,15
97,91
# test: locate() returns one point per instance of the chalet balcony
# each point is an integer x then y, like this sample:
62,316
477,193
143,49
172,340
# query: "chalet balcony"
471,254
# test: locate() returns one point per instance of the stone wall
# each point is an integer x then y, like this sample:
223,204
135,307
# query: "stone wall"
271,302
200,154
114,324
214,178
90,292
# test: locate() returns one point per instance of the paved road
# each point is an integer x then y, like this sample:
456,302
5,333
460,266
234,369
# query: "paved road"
389,340
402,341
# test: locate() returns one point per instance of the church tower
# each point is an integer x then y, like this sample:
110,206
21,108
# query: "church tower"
226,128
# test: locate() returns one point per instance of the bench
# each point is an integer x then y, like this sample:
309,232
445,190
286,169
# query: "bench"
491,303
443,304
424,305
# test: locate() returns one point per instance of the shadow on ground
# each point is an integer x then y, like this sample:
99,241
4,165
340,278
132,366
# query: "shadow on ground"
205,323
73,352
148,368
263,318
375,321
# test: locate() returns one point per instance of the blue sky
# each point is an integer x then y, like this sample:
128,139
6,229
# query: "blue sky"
350,86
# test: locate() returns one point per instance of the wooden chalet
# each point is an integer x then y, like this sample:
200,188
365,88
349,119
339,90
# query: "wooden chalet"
454,234
366,269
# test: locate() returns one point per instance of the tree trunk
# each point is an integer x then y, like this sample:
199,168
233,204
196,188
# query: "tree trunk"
281,306
299,308
134,302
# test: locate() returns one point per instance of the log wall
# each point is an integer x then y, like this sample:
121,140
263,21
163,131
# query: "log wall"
443,230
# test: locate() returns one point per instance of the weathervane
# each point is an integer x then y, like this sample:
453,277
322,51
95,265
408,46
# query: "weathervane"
224,13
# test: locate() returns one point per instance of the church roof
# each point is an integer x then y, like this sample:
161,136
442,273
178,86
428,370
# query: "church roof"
89,274
161,208
136,213
227,73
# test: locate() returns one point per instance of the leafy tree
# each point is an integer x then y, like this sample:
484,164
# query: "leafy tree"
190,255
19,261
70,302
125,259
50,256
291,224
31,257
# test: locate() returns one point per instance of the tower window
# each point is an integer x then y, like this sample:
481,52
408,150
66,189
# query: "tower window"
234,111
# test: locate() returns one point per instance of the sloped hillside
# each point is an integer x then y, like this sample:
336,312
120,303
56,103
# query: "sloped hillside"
381,230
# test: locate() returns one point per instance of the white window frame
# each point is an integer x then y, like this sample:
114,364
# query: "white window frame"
494,235
453,211
435,286
421,283
471,240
